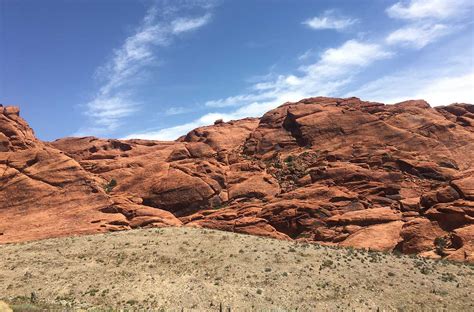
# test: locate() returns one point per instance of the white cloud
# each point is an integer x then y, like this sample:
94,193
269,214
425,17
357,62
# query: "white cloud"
429,9
177,110
417,35
234,100
187,24
306,55
167,134
429,20
173,133
352,53
447,90
329,20
114,99
337,68
437,87
334,70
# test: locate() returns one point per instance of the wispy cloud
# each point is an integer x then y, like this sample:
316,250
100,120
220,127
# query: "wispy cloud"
390,89
186,24
417,36
428,20
434,86
429,9
335,67
234,100
177,110
115,98
172,133
447,90
330,20
334,70
445,76
306,55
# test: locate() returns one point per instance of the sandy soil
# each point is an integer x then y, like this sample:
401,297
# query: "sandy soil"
203,270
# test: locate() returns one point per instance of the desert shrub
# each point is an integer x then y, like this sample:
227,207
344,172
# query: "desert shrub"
110,186
448,277
326,264
33,297
440,243
425,270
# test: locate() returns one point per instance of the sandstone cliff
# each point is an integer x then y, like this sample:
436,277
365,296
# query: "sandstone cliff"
336,171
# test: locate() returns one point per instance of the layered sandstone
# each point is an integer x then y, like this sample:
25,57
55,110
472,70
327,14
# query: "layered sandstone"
336,171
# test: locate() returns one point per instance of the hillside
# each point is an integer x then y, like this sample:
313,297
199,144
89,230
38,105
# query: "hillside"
201,270
342,172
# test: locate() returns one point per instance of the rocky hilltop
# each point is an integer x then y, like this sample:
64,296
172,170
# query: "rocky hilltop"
336,171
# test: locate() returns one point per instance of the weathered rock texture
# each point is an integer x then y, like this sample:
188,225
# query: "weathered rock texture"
336,171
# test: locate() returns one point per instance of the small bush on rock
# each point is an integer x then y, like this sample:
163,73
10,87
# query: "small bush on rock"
110,186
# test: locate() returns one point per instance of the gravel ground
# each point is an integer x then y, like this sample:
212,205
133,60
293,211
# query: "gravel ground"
176,269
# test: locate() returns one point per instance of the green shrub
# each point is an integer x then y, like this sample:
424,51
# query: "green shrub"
440,243
110,186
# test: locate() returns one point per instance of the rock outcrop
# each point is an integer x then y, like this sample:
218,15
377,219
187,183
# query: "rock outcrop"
336,171
45,193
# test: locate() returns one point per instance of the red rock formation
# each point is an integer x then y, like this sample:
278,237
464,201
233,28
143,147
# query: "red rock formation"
45,193
337,171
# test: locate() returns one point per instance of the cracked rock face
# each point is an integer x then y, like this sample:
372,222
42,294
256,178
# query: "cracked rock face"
335,171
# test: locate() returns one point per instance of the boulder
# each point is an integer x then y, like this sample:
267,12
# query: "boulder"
256,186
447,194
465,187
179,193
419,235
463,240
381,237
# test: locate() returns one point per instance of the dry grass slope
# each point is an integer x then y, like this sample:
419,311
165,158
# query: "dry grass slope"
204,270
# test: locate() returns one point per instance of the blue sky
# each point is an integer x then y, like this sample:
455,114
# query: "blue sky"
157,69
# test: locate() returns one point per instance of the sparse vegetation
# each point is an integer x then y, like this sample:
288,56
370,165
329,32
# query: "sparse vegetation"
198,269
289,169
441,243
110,186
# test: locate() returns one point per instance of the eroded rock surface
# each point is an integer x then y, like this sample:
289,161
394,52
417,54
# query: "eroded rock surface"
336,171
45,193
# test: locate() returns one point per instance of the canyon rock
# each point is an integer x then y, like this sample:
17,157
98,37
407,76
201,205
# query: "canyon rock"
336,171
